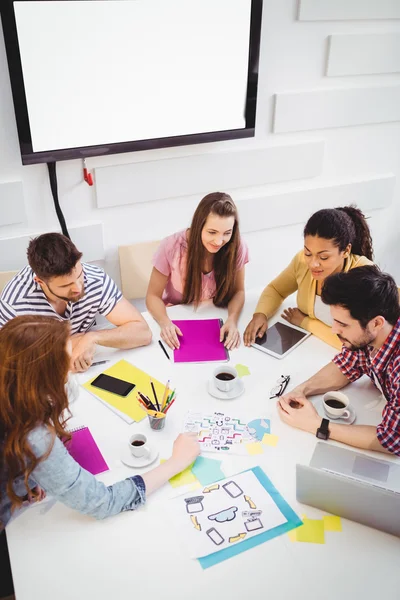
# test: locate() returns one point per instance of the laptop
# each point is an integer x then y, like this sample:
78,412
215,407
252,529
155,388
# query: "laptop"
352,485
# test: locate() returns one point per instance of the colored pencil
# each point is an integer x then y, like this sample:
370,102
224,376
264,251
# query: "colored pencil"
169,405
143,404
170,397
155,395
165,398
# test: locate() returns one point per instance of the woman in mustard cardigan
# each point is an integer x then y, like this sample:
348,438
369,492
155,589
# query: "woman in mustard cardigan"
335,239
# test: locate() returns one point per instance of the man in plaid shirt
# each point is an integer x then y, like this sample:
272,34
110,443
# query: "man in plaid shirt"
366,317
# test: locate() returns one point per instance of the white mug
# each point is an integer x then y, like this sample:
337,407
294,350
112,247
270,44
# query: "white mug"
225,384
138,446
333,412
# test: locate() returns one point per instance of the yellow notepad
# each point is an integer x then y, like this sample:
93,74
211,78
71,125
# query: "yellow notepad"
129,405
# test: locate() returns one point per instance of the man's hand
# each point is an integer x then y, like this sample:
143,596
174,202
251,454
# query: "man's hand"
83,349
303,417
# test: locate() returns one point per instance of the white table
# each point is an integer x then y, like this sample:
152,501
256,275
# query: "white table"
58,554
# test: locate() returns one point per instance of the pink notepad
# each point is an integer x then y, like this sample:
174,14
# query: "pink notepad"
85,451
200,341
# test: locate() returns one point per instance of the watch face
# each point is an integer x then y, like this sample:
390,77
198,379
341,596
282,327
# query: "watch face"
321,435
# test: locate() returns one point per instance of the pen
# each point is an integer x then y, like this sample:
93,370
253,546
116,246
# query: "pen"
163,349
99,362
155,395
147,400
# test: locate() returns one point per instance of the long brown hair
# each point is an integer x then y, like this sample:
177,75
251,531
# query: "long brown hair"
225,260
34,367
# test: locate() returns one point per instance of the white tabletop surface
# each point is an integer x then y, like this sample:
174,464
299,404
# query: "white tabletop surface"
58,554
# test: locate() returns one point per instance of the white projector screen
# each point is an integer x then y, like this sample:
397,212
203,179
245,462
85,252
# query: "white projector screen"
111,71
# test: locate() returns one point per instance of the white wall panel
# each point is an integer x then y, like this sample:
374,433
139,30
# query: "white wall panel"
88,239
323,109
289,208
203,173
364,54
338,10
12,208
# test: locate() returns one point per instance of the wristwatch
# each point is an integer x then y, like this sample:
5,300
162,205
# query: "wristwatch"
323,432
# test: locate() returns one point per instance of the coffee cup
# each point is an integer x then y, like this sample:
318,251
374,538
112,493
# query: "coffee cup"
138,445
336,405
225,378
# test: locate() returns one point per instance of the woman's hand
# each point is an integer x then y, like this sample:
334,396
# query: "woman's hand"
229,334
185,450
169,333
256,328
293,316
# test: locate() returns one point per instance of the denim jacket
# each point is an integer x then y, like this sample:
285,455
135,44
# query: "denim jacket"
61,476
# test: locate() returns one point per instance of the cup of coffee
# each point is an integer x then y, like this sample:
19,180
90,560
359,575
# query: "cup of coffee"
336,405
138,445
225,378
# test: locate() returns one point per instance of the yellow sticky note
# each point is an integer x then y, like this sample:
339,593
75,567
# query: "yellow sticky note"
183,478
269,439
312,531
332,523
254,448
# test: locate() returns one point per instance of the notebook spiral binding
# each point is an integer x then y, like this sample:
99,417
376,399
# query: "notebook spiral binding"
76,429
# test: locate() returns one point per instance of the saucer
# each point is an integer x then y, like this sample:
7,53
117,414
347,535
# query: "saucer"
319,407
137,463
235,393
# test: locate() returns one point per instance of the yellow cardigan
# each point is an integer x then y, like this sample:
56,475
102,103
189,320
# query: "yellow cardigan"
297,276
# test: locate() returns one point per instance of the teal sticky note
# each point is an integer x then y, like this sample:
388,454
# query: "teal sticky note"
207,470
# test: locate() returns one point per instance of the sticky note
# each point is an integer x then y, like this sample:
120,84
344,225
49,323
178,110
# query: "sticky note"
332,523
269,439
207,470
184,478
312,531
254,448
242,370
292,535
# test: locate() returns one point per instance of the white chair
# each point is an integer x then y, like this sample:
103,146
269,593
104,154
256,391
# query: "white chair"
135,263
5,277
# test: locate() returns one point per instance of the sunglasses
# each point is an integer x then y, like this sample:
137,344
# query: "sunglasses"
278,390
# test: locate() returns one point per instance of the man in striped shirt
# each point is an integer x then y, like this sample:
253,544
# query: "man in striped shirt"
365,308
56,283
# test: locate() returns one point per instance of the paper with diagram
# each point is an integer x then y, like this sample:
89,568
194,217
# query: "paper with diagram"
225,513
221,432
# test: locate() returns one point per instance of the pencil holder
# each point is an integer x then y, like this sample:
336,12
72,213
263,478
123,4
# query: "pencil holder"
157,423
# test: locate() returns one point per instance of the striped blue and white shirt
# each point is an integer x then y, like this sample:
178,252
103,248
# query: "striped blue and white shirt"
23,296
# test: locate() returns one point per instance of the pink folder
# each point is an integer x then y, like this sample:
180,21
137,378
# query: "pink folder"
85,451
200,341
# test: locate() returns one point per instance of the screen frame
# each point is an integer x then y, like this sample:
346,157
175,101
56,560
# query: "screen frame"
280,356
30,157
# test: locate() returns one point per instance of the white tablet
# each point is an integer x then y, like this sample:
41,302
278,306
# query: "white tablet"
280,339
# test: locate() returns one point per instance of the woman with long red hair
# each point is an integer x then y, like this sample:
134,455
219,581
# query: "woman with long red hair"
35,358
204,262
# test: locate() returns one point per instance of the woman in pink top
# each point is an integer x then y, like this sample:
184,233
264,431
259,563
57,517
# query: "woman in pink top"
201,263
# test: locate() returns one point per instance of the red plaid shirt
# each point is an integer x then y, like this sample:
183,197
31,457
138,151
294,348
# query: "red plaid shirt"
385,367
